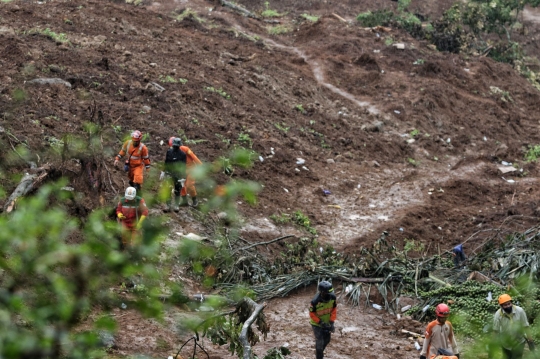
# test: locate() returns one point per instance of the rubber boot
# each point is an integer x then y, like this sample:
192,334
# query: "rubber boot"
176,203
183,201
194,202
168,206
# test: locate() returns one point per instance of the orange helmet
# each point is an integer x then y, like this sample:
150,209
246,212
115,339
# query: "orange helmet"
503,298
442,310
136,135
170,141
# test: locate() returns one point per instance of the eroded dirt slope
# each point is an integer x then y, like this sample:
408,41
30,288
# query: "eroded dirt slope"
406,141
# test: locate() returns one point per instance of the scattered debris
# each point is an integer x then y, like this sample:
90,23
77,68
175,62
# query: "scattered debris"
300,161
155,86
506,169
399,46
49,81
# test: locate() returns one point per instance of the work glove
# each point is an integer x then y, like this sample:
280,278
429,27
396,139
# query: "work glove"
162,176
139,224
327,327
116,161
121,215
423,357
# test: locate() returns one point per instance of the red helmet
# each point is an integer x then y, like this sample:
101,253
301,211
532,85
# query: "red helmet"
136,135
442,310
170,141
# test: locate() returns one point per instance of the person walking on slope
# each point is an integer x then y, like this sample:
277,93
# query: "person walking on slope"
175,167
137,159
439,335
511,327
131,211
189,186
323,312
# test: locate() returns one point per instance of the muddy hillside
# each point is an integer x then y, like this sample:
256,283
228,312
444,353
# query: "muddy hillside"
360,135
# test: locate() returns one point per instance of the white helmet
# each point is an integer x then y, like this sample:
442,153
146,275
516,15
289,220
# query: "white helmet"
131,192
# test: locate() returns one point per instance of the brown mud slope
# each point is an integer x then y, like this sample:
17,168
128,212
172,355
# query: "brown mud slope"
406,141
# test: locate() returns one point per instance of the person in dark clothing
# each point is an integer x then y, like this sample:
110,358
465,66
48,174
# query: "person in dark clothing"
323,312
175,167
459,255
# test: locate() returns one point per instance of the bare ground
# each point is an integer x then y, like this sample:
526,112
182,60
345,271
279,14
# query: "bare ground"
362,99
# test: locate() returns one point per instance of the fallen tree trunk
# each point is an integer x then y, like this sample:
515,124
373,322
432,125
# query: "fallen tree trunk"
25,185
240,9
255,309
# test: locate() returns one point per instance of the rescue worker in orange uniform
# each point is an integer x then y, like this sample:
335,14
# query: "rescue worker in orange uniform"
131,212
323,312
512,328
189,186
137,158
439,336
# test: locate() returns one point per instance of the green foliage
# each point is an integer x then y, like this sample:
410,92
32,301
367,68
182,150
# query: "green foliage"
403,5
414,246
296,217
277,353
311,18
533,153
167,79
302,220
279,29
48,285
412,161
53,35
269,12
219,91
280,218
414,133
245,139
189,13
300,108
282,126
376,18
19,95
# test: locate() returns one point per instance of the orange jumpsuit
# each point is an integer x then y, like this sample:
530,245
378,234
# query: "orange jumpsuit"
191,161
138,158
132,210
439,336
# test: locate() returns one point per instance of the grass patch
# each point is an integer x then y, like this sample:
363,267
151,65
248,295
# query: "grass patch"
219,91
270,12
61,37
376,18
412,161
533,153
245,139
282,126
311,18
279,29
167,79
189,13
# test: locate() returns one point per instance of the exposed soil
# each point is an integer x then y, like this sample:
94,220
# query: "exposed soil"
363,100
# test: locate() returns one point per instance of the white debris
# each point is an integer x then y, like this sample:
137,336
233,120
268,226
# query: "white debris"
425,308
376,306
489,297
300,161
396,111
261,158
348,289
305,168
285,189
417,346
405,308
485,138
